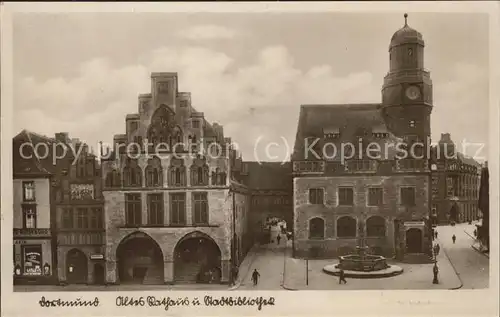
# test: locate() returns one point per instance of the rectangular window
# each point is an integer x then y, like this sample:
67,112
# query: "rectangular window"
96,219
82,218
346,196
316,196
133,210
67,218
32,259
29,216
28,191
408,196
155,209
178,209
196,124
200,204
375,196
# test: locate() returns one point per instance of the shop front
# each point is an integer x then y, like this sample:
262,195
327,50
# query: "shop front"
33,261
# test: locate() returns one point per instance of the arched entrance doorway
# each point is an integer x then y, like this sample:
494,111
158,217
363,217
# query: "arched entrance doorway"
98,274
197,259
139,260
413,240
76,267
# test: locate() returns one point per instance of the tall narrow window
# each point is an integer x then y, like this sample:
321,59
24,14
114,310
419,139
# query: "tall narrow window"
96,218
346,196
178,209
316,196
29,216
155,209
133,210
28,191
67,218
82,218
407,196
375,196
200,203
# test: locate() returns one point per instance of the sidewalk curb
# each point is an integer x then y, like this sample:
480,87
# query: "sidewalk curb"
239,282
475,248
455,270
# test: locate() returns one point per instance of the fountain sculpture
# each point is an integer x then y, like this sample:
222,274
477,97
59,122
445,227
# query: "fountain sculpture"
363,264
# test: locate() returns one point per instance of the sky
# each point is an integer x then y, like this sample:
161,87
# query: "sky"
82,72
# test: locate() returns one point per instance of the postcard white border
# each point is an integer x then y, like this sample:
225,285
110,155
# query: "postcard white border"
332,303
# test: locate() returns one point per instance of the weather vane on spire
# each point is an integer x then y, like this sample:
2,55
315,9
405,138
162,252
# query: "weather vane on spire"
406,18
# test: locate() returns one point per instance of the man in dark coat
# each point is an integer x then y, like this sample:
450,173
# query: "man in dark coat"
454,238
255,277
435,270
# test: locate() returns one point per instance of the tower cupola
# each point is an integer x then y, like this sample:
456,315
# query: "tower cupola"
406,35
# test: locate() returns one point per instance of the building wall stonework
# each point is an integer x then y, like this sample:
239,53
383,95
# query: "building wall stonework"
330,211
219,228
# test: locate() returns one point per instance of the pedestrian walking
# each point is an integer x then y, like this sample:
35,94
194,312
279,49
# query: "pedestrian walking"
278,238
435,270
454,238
255,277
342,277
436,249
475,233
435,234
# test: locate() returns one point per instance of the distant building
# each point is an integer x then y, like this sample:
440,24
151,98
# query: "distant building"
173,216
455,184
384,198
271,186
34,247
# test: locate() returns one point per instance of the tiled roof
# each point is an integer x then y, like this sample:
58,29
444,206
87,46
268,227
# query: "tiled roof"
269,175
28,163
468,160
353,121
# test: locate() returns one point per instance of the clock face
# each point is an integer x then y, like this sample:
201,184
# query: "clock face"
413,92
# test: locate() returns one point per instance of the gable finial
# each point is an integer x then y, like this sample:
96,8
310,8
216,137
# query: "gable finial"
406,19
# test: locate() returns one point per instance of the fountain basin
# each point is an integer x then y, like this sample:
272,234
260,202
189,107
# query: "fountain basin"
365,263
391,270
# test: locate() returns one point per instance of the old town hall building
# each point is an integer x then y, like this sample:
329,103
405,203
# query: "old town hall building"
175,210
384,198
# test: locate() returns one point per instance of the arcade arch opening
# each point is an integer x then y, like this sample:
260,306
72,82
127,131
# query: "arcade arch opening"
197,259
139,260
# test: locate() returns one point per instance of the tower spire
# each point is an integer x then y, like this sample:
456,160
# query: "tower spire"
406,19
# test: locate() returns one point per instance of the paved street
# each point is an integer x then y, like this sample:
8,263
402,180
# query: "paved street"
472,266
414,277
269,263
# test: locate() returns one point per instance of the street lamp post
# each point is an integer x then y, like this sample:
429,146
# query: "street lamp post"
307,271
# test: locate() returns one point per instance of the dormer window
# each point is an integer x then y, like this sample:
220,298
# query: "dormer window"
331,135
412,123
183,103
380,135
196,124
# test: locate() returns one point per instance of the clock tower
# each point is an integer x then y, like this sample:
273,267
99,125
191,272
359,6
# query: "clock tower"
407,89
